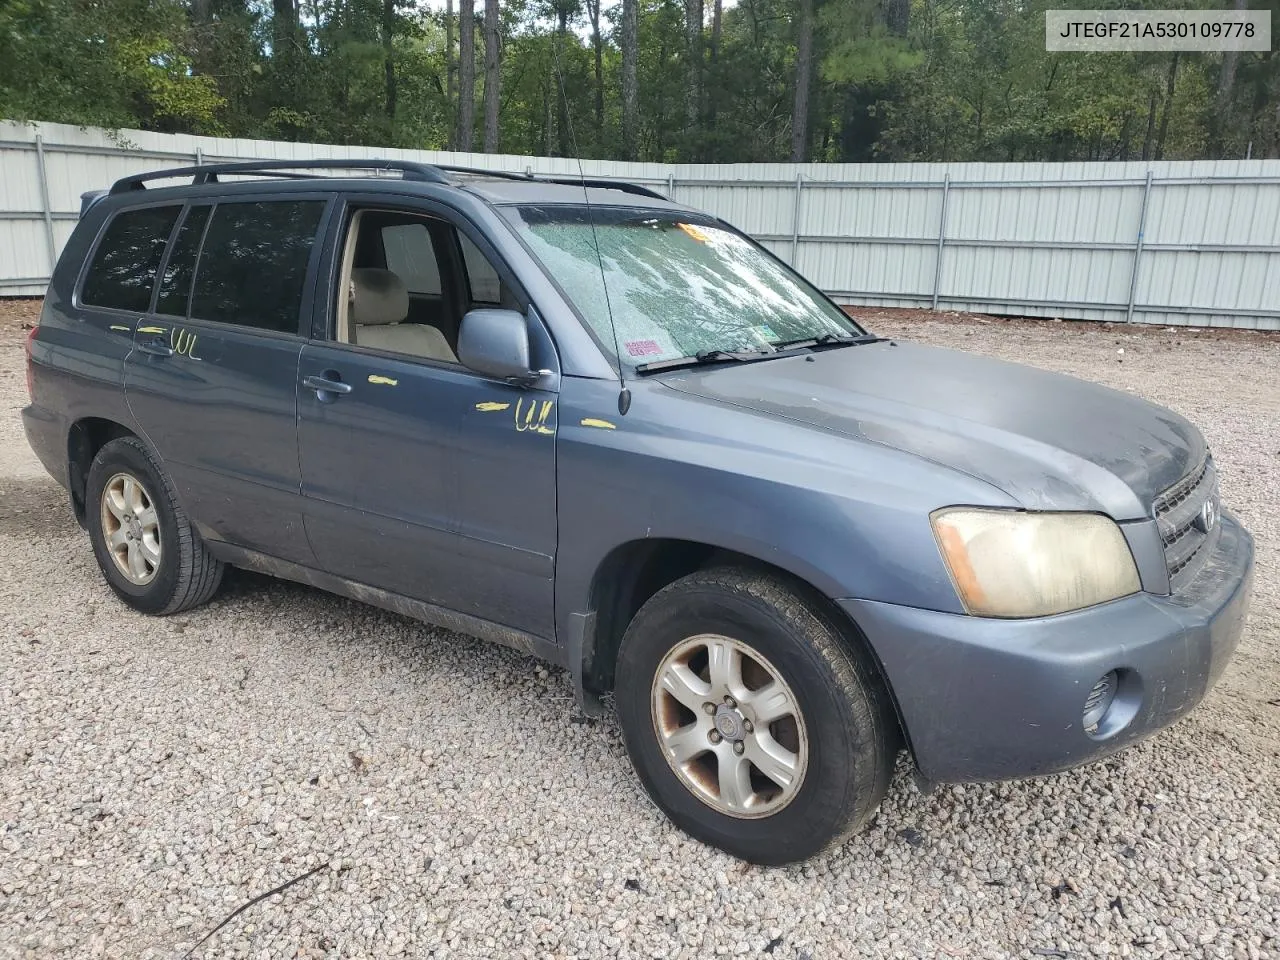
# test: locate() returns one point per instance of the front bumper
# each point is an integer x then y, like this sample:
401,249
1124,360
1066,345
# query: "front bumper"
984,699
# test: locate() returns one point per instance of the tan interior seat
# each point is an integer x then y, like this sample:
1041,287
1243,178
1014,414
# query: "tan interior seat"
379,304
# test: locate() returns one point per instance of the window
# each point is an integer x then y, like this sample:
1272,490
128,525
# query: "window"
485,285
175,282
409,254
124,268
254,263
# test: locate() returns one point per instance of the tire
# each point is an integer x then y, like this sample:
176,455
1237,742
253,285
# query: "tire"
838,743
156,562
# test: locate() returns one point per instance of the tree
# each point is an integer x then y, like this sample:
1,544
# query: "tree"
450,71
694,14
804,78
766,80
630,91
597,50
388,56
492,78
466,74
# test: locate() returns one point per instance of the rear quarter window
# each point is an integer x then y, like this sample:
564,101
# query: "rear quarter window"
253,263
123,271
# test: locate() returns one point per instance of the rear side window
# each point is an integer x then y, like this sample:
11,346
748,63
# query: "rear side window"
254,263
175,282
409,253
123,271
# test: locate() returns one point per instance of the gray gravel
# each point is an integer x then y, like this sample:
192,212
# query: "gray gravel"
156,774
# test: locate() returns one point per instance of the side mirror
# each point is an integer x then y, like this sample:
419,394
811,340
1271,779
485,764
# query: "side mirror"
496,343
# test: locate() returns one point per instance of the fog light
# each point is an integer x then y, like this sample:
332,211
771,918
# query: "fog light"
1099,701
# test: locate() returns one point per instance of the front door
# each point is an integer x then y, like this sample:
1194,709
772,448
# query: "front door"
418,475
212,379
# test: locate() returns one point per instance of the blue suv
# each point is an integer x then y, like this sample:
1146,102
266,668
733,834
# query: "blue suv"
612,432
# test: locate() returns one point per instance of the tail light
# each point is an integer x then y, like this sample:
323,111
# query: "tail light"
31,380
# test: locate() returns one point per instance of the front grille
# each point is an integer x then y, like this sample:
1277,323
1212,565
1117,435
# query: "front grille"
1180,518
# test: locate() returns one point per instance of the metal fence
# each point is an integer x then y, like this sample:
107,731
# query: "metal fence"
1173,242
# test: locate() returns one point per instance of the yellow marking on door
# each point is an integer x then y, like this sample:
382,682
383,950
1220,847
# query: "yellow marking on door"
379,378
183,342
534,416
602,424
116,326
151,329
490,406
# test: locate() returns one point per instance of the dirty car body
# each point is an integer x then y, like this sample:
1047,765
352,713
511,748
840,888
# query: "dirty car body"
886,483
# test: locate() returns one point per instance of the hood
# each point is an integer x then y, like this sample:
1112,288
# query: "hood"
1050,441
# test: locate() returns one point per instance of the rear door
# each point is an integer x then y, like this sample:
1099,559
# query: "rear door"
423,477
213,376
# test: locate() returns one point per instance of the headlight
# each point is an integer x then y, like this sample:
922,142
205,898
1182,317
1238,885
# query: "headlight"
1007,563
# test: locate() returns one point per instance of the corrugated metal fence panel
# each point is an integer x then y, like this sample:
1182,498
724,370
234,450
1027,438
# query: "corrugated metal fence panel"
1036,239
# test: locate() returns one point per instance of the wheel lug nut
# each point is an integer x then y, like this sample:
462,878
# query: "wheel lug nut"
730,702
709,707
747,726
714,736
738,748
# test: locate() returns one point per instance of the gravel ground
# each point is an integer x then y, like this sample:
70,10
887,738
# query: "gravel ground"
157,774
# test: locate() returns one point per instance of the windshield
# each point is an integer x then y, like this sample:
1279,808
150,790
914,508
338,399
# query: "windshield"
676,284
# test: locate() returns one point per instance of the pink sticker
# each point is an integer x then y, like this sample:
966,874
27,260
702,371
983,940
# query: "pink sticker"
643,348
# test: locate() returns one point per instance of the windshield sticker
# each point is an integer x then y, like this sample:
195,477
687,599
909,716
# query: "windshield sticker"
694,232
763,332
643,348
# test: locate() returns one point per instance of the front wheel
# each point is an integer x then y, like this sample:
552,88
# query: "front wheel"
751,720
147,550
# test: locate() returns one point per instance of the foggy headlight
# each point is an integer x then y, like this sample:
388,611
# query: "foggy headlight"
1006,563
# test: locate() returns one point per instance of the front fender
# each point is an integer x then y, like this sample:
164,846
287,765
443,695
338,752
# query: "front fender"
848,517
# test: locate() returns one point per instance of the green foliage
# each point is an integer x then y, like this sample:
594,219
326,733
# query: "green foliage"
942,80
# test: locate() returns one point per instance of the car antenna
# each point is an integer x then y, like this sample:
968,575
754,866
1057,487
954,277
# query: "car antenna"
624,394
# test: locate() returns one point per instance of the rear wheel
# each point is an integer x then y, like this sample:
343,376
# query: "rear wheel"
753,723
145,546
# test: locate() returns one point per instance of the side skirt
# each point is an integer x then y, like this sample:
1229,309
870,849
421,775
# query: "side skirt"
438,616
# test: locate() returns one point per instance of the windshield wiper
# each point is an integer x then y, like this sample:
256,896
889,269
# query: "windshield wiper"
705,356
829,340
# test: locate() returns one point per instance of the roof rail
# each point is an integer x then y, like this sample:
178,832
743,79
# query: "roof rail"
623,185
209,173
408,169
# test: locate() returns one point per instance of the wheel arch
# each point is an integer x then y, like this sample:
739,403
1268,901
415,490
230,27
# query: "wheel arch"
633,572
86,437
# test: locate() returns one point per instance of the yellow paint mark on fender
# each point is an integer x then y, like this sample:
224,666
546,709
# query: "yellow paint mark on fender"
379,378
489,406
116,326
602,424
151,329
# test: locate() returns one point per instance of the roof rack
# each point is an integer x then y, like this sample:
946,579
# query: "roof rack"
622,185
408,169
209,173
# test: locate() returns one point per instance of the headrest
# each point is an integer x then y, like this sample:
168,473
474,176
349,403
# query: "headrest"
377,297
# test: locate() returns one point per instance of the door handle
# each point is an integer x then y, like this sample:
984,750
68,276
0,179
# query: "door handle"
323,385
156,347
